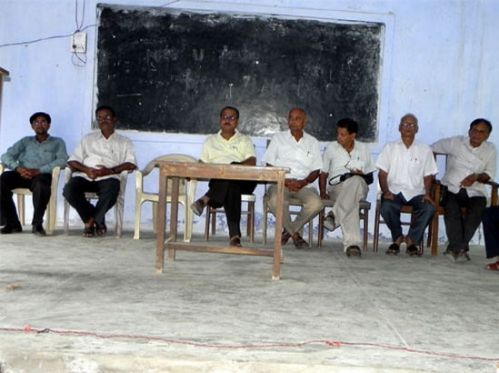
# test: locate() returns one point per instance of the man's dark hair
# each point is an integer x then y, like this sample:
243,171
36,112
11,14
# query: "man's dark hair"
231,108
481,120
348,123
106,107
40,114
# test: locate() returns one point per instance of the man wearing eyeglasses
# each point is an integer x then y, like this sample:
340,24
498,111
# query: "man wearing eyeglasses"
347,169
471,162
406,171
228,146
31,161
96,163
300,152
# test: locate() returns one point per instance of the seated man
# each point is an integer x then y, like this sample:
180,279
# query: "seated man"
227,146
299,152
97,162
348,169
406,170
471,161
31,160
491,233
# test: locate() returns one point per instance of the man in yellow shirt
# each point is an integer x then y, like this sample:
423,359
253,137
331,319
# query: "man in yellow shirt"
228,146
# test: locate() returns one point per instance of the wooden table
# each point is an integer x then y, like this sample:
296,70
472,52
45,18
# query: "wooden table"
205,171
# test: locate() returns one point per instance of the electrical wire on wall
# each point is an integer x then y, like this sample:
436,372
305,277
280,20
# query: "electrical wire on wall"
79,58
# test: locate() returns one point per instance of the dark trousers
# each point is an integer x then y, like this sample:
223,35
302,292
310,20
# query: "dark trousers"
491,231
460,229
107,190
39,186
227,193
422,212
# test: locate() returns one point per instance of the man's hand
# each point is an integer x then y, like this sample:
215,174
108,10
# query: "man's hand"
388,195
469,180
295,185
94,173
28,173
324,195
427,198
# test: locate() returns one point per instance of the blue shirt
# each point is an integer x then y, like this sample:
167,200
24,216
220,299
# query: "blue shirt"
30,153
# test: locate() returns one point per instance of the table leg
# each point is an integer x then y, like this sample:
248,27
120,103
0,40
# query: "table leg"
160,223
276,267
174,217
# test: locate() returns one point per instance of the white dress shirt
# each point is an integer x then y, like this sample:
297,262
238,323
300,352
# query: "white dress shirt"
95,151
301,157
464,160
407,167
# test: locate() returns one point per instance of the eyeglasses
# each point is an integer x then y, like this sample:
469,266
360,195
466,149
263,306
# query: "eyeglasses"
106,117
409,125
229,117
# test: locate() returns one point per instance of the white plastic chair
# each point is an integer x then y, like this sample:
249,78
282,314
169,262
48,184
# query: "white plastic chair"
187,191
119,207
211,217
51,211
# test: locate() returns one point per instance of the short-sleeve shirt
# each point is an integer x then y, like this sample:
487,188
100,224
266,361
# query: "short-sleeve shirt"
407,167
464,160
95,151
216,149
338,161
301,157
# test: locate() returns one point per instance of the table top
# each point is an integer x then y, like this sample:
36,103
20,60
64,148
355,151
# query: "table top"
221,171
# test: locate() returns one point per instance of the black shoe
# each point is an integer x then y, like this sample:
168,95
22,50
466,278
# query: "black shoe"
11,229
38,230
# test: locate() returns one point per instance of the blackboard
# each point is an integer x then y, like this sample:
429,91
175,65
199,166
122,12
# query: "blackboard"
172,71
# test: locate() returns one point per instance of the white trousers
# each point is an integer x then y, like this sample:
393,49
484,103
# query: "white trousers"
346,208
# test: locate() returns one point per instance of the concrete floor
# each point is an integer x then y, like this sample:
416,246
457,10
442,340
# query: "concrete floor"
73,304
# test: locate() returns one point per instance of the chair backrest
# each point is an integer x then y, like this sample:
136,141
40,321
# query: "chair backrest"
169,157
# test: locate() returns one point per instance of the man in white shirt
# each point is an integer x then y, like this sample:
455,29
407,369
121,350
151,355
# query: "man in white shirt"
228,146
96,163
406,171
471,162
347,169
300,152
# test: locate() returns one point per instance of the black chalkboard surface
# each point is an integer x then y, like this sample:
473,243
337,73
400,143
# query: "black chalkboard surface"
169,71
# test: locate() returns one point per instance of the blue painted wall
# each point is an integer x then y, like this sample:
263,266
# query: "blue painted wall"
439,62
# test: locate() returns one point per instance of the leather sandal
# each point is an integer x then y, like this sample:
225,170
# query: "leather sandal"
101,230
412,250
89,231
235,241
353,250
393,249
285,236
299,242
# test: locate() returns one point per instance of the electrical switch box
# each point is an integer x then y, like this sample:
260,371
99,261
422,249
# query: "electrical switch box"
79,42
